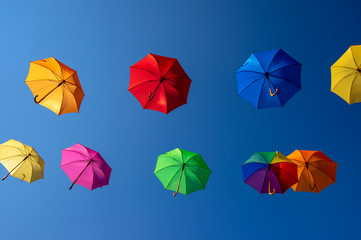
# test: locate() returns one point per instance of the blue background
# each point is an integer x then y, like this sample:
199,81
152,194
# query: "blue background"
211,39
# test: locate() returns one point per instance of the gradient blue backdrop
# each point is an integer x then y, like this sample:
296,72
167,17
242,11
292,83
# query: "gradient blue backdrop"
211,39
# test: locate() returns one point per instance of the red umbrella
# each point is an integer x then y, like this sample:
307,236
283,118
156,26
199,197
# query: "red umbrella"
159,83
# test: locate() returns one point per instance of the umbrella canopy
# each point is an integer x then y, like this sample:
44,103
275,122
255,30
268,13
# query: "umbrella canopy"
159,83
269,79
182,171
85,167
55,86
314,169
269,172
22,161
346,75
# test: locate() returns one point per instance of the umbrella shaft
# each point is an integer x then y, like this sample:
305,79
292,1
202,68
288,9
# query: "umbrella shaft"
48,92
80,174
15,167
151,95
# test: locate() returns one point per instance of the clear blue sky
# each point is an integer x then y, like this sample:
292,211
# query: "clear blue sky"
211,39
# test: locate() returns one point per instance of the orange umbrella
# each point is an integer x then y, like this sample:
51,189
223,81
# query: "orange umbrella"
55,86
314,169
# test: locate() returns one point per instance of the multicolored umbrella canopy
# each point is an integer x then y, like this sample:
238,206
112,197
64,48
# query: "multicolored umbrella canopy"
314,169
346,75
182,171
159,83
85,167
55,86
22,161
269,79
269,172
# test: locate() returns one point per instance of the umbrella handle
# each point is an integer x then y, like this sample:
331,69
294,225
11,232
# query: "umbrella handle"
35,99
23,177
36,96
273,94
269,189
151,95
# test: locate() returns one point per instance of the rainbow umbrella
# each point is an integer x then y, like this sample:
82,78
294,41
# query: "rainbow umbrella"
85,167
269,172
269,79
315,170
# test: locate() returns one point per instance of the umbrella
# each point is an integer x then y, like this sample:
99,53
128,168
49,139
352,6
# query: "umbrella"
55,86
269,172
159,83
182,171
346,75
85,167
22,161
315,170
269,79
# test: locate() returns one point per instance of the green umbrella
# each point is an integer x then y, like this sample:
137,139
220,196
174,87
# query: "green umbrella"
182,171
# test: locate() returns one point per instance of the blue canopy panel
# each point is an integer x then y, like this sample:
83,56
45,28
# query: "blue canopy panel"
250,168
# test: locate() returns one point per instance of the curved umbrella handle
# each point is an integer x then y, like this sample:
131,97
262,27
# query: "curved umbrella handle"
35,99
273,94
23,177
269,189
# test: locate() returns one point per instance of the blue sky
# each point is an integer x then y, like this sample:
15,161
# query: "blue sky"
210,39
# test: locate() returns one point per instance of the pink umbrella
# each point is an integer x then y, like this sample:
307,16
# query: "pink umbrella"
85,167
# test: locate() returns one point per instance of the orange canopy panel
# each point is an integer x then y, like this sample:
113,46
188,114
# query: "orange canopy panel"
315,170
55,86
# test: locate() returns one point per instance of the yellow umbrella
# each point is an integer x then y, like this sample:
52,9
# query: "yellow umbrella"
55,86
21,161
346,75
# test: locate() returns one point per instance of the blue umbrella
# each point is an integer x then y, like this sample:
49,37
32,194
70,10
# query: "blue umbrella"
269,79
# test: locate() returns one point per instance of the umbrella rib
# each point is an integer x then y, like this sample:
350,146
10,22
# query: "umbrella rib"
343,67
21,150
172,178
177,91
348,75
323,172
86,157
143,83
196,177
284,80
260,62
49,70
166,102
353,81
295,64
241,71
61,69
175,165
169,67
260,92
156,75
353,57
273,165
75,161
274,56
257,79
50,80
